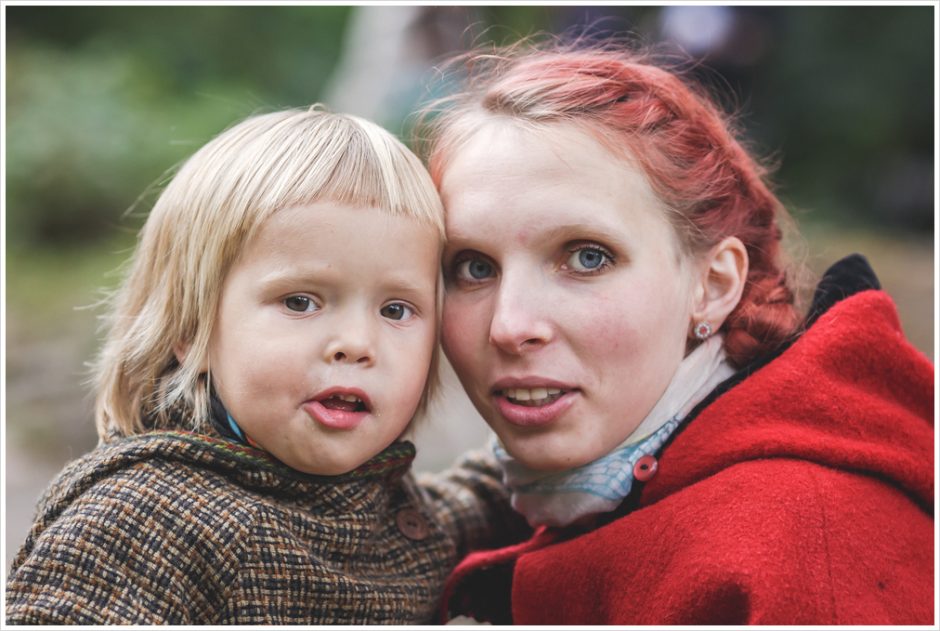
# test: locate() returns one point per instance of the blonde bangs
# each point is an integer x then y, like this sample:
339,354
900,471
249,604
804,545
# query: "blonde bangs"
313,156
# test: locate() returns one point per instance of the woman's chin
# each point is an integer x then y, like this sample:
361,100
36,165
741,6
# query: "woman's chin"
544,458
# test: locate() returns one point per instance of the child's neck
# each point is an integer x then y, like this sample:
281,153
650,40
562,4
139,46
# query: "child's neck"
226,426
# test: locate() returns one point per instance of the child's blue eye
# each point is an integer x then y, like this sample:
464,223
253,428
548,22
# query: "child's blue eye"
396,311
300,304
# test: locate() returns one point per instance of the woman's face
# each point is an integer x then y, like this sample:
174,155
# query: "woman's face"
568,301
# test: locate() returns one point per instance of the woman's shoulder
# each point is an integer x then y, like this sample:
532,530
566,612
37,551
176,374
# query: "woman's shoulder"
850,394
764,541
779,498
778,518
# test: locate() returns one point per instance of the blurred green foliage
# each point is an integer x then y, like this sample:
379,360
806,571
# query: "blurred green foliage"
847,93
103,100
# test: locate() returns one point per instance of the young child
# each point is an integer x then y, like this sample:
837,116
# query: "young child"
274,338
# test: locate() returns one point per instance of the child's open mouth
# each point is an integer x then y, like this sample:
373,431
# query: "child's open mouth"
339,408
344,402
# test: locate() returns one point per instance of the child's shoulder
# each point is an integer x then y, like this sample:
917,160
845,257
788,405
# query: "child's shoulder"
134,520
156,476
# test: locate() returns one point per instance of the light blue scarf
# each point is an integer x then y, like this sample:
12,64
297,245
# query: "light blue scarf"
563,497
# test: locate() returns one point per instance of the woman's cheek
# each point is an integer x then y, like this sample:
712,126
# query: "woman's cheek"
601,325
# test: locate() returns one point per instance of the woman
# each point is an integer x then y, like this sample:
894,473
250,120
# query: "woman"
689,447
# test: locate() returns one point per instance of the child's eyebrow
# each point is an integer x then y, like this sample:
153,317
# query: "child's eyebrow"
292,275
323,274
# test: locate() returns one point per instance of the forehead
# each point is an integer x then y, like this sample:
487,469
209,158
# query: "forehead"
529,180
360,243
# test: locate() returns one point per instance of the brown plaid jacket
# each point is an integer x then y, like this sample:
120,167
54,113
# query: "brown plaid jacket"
183,528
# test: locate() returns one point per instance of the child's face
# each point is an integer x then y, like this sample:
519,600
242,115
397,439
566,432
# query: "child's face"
325,332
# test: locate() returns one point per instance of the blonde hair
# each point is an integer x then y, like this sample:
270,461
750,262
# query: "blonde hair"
166,305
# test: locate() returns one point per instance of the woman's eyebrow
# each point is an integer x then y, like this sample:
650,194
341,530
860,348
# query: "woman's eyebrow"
596,230
390,282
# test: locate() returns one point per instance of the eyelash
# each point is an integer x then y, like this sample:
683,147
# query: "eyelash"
310,301
411,312
406,307
608,261
466,257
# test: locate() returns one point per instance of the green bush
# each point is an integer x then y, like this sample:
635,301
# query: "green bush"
103,101
88,132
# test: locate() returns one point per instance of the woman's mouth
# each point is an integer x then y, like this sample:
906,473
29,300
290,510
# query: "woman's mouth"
534,406
532,397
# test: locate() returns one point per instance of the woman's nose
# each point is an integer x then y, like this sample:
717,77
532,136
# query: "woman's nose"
519,324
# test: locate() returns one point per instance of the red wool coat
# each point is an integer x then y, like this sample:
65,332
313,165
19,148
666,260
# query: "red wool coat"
802,495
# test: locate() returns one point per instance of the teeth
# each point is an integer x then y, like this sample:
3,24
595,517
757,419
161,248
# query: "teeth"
533,396
519,394
347,397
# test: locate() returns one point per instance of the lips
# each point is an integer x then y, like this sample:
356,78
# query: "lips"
339,408
533,401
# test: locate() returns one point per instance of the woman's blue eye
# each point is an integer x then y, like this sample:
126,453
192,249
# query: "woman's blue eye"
300,304
474,270
397,311
588,259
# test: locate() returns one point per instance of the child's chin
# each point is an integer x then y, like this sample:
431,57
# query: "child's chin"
330,468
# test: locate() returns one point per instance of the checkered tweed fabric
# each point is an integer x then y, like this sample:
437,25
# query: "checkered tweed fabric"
472,505
182,528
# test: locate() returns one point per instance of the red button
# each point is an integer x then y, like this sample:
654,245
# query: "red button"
645,468
412,524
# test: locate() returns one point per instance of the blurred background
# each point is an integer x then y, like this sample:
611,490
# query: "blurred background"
102,100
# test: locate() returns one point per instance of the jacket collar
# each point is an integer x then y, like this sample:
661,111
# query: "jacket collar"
245,466
849,393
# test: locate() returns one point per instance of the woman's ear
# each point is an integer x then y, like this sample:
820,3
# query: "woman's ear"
723,274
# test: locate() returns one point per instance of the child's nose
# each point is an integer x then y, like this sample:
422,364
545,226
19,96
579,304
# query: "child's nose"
352,344
356,357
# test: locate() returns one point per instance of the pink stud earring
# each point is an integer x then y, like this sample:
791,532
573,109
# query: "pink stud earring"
702,331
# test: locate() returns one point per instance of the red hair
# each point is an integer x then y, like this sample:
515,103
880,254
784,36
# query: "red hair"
671,129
